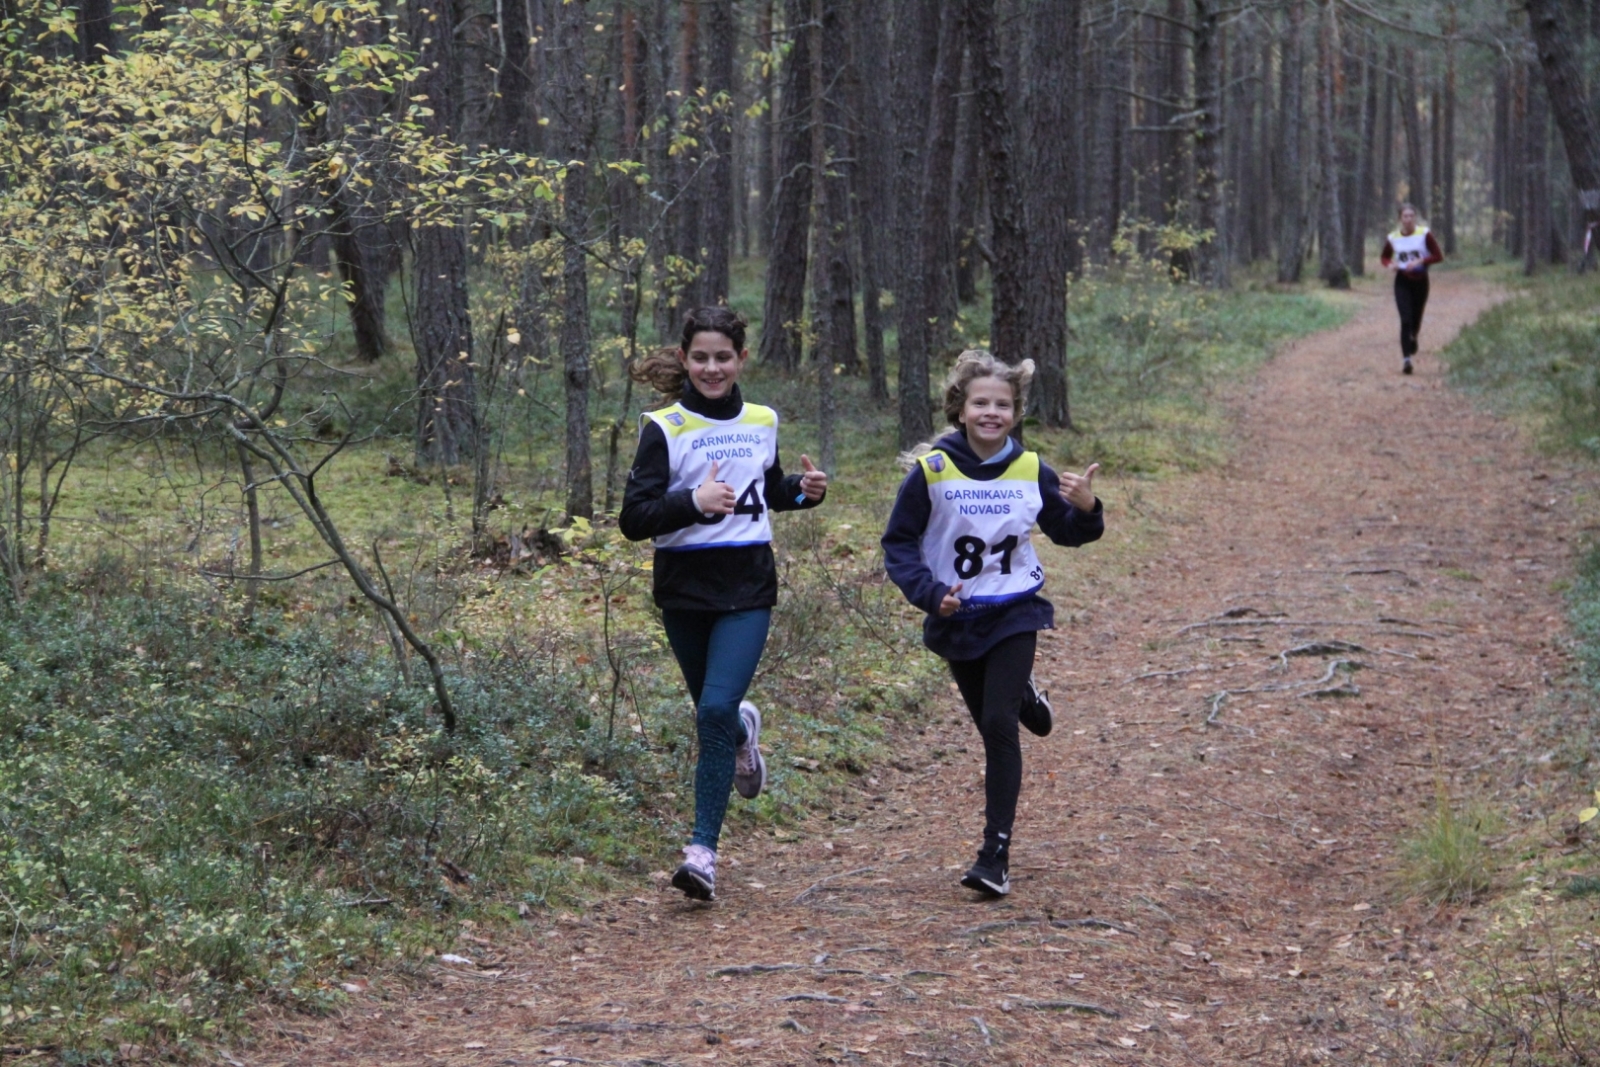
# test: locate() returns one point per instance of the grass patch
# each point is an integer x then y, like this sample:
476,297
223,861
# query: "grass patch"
1539,354
1447,861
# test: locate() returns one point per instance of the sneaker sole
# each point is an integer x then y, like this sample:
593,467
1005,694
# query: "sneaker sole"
983,885
742,785
693,884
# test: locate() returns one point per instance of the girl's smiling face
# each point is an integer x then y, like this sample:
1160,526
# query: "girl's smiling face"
712,363
989,413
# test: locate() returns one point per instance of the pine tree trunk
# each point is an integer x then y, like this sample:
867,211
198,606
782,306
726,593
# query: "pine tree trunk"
1330,235
1291,192
1411,122
1536,244
1008,329
1569,102
783,312
969,182
1386,183
1499,177
1211,257
1052,51
572,113
920,333
441,330
1447,118
915,50
871,212
767,123
1360,202
833,273
721,37
691,180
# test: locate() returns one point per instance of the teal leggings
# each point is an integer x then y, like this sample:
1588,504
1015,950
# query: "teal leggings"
718,652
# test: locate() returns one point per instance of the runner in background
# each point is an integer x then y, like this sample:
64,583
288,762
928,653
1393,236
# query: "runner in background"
1409,251
704,483
958,547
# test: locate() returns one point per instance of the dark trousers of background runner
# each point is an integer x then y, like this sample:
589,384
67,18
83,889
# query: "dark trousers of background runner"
1410,296
993,687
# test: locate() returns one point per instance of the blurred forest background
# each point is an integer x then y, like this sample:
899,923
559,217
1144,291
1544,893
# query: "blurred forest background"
316,318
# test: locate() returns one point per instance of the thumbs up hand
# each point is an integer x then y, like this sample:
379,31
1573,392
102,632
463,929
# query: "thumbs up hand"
1078,489
813,483
951,602
714,497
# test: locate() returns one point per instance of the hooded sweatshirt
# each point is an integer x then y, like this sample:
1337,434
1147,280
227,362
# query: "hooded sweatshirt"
963,637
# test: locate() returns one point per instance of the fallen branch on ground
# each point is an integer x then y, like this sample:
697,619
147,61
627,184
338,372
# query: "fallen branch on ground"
821,998
1066,1005
818,885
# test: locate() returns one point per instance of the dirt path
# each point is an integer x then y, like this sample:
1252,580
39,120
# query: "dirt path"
1215,877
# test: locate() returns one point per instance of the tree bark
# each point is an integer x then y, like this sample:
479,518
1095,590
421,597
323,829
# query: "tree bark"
1291,191
783,311
833,273
1361,199
872,208
572,114
719,42
1211,257
1569,102
1536,243
1052,49
991,112
97,38
920,332
1411,121
441,329
767,122
1447,119
914,53
1330,212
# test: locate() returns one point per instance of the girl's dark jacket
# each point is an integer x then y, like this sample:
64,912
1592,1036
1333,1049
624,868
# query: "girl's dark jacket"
707,579
970,638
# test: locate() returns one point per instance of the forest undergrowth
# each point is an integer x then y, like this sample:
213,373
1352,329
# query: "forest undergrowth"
1530,988
206,812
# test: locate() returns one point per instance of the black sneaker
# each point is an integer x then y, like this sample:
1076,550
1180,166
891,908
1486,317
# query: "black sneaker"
1405,365
990,874
1037,714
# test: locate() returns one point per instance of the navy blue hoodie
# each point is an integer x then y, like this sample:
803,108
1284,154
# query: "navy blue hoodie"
961,638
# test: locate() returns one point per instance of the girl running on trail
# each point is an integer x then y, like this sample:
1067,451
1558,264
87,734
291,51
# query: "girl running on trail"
1408,252
704,483
958,547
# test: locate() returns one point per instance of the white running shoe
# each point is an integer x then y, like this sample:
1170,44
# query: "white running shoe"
697,874
749,769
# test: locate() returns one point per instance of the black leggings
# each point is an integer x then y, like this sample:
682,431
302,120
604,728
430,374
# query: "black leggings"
993,687
1410,296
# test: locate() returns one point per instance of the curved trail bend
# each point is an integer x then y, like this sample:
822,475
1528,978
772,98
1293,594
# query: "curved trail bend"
1236,874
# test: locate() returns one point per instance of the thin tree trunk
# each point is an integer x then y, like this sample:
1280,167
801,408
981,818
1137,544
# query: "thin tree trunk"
1008,329
691,156
1447,118
1386,184
573,116
872,202
1052,50
719,43
833,272
1330,235
1536,244
783,312
969,181
914,52
920,333
1411,122
1211,257
441,330
1291,193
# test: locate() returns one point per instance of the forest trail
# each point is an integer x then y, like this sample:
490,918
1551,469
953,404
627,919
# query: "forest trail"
1215,875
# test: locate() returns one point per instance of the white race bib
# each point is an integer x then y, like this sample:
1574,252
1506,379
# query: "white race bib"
1409,249
743,448
979,532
